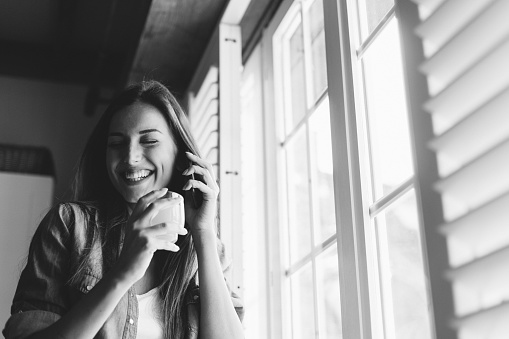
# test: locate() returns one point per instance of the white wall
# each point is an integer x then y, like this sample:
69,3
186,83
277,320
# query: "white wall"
46,114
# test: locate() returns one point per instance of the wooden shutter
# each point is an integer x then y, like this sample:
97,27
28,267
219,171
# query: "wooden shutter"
466,44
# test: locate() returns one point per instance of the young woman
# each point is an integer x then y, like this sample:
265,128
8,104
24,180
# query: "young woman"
97,268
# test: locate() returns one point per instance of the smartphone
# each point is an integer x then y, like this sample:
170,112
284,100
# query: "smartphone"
196,194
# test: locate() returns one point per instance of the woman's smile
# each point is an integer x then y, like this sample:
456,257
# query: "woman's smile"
133,177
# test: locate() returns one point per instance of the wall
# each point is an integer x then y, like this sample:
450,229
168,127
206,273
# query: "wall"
46,114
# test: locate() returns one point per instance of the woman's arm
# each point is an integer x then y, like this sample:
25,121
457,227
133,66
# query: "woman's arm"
85,318
218,319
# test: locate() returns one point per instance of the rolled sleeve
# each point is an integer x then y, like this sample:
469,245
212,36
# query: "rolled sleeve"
23,324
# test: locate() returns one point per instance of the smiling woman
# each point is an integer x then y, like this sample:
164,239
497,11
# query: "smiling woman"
98,268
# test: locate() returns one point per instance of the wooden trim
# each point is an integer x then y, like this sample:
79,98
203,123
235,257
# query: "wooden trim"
229,147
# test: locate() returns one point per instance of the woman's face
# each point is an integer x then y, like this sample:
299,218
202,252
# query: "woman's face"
140,151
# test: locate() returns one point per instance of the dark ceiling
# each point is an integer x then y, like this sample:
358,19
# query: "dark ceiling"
105,43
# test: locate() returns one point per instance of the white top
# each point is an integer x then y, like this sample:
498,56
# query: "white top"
150,307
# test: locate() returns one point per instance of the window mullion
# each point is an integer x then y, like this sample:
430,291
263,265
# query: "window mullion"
309,95
312,209
389,198
376,31
368,187
347,186
304,120
307,58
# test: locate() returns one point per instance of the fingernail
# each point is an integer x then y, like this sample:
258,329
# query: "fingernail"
164,189
186,172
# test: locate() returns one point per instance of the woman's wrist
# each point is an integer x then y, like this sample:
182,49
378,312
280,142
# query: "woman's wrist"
120,279
205,234
202,237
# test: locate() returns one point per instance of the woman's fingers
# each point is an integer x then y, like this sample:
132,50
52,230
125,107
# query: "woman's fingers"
207,176
207,191
199,161
148,199
204,169
166,228
160,237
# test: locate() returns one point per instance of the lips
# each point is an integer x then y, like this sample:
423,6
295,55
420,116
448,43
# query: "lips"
135,176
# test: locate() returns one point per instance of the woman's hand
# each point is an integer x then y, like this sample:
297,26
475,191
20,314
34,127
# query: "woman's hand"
203,217
142,240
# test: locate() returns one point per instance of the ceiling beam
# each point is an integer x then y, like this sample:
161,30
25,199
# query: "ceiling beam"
174,38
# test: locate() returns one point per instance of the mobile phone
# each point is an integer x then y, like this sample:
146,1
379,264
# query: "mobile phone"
196,194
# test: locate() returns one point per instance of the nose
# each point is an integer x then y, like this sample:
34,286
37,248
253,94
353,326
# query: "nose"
133,154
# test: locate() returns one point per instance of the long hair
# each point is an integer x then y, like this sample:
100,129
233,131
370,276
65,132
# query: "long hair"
93,187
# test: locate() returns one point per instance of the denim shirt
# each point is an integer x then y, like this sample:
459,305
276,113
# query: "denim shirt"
46,290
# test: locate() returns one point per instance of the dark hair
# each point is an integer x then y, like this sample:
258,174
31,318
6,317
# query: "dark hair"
93,187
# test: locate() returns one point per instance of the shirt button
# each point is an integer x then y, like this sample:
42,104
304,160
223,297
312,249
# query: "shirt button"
89,287
195,297
131,321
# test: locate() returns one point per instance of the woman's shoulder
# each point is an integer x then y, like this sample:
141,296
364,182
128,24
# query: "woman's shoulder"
66,216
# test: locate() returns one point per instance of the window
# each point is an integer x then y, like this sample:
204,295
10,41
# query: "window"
373,233
308,227
362,221
408,92
397,276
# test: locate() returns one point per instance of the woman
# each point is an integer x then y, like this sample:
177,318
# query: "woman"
94,263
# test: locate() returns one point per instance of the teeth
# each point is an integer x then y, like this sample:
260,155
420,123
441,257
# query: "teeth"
137,175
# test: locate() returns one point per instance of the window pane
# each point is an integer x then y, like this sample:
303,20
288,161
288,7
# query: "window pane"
297,106
299,216
401,265
319,63
387,114
303,319
321,168
329,309
371,12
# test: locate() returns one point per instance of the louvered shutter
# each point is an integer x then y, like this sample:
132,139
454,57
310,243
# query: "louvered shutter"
466,44
204,118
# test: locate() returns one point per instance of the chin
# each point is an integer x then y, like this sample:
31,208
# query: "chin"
131,196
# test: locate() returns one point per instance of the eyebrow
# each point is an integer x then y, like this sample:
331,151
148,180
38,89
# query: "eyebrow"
145,131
